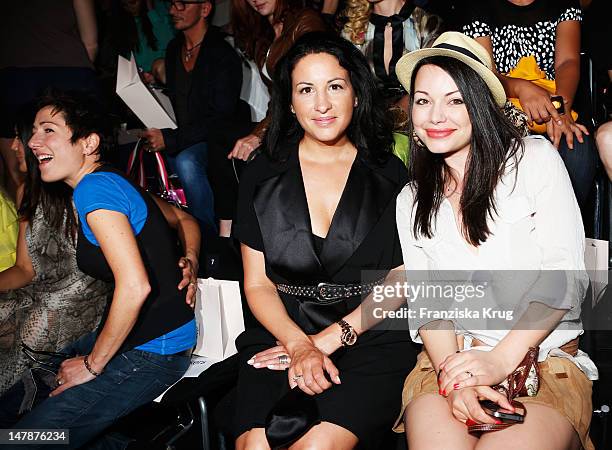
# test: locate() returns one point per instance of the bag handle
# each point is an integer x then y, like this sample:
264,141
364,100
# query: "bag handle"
137,154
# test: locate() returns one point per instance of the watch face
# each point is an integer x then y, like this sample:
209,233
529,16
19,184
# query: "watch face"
349,337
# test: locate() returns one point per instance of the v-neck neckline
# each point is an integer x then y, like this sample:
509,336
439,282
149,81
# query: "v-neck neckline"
338,205
455,225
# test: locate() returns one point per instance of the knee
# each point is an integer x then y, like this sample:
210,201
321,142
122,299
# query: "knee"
310,443
603,138
254,439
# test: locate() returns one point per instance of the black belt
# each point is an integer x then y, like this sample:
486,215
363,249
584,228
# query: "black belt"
328,291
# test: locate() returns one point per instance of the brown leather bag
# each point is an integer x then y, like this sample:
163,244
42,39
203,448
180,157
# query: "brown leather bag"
523,382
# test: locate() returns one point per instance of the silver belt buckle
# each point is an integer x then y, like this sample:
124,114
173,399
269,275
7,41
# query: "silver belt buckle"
325,291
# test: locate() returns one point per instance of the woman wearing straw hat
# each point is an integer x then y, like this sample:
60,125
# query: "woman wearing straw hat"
483,198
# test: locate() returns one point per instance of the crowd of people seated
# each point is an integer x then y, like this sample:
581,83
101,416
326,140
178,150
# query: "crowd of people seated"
400,138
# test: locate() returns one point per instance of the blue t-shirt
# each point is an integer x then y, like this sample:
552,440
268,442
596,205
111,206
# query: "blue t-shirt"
107,190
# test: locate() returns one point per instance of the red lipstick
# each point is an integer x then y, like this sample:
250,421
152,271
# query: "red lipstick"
439,134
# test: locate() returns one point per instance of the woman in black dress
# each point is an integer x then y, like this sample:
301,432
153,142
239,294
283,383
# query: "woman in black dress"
318,207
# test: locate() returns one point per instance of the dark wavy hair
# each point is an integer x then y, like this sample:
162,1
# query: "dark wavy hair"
55,199
252,31
495,143
370,129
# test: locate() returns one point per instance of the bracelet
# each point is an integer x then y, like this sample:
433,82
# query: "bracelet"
88,367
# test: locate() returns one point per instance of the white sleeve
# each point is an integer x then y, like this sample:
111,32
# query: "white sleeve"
559,232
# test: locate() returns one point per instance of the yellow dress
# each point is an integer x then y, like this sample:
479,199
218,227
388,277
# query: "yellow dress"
8,232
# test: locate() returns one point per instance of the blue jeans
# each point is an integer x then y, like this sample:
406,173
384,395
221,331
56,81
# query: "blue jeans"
128,381
581,165
191,166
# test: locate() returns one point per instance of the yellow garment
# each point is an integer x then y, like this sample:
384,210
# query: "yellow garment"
527,69
8,232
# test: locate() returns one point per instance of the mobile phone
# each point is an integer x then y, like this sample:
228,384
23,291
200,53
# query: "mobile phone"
505,415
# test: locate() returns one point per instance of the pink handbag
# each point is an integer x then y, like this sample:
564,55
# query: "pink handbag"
166,189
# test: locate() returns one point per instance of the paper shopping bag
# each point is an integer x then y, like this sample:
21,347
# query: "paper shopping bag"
596,262
153,108
219,316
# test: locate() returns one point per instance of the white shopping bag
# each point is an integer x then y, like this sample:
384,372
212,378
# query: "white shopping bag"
219,316
152,107
596,262
254,91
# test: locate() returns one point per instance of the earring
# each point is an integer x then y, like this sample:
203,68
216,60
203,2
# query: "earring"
291,109
356,102
417,140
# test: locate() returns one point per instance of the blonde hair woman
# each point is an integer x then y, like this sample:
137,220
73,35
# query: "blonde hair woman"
374,26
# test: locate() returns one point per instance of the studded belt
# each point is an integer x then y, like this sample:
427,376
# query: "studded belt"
328,292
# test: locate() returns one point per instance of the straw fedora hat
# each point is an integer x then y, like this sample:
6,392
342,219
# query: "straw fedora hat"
459,46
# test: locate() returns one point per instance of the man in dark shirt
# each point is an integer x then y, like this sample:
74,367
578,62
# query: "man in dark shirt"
203,77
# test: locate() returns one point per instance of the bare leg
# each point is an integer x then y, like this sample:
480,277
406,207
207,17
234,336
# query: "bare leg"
603,138
254,439
326,436
430,425
531,436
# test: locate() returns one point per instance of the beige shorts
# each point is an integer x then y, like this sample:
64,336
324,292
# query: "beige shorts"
563,386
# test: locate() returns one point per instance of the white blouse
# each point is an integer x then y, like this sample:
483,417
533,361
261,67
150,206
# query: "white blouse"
538,227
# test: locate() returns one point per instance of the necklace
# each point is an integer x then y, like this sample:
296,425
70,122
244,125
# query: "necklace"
189,51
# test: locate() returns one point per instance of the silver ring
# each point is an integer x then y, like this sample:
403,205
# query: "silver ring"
192,283
297,377
283,359
469,374
59,382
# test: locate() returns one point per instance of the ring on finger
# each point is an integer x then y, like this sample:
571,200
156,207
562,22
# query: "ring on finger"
283,359
297,377
60,381
192,283
469,374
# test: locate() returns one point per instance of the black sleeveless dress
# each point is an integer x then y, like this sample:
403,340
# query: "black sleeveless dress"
273,218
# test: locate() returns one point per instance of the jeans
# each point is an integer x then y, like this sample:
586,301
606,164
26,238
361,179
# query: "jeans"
128,381
191,166
581,165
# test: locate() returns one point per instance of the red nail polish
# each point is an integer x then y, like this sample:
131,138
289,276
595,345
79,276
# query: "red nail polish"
470,422
440,391
498,422
444,393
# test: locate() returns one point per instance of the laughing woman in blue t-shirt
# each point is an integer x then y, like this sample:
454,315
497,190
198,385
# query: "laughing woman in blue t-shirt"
143,342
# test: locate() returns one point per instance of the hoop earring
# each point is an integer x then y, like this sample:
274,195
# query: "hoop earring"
417,140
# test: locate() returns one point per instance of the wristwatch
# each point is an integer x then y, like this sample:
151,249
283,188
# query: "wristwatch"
348,336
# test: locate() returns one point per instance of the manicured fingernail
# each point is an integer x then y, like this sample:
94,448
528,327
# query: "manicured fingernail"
257,365
498,422
444,392
251,361
270,366
440,391
456,386
338,380
470,422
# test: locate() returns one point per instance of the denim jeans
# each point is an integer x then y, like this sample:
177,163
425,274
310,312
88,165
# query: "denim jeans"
581,165
191,166
128,381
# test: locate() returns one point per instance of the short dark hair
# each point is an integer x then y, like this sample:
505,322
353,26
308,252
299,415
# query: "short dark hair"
55,199
370,129
84,115
495,143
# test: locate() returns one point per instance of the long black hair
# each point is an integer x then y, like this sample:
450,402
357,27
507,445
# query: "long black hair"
124,29
370,129
55,199
495,143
